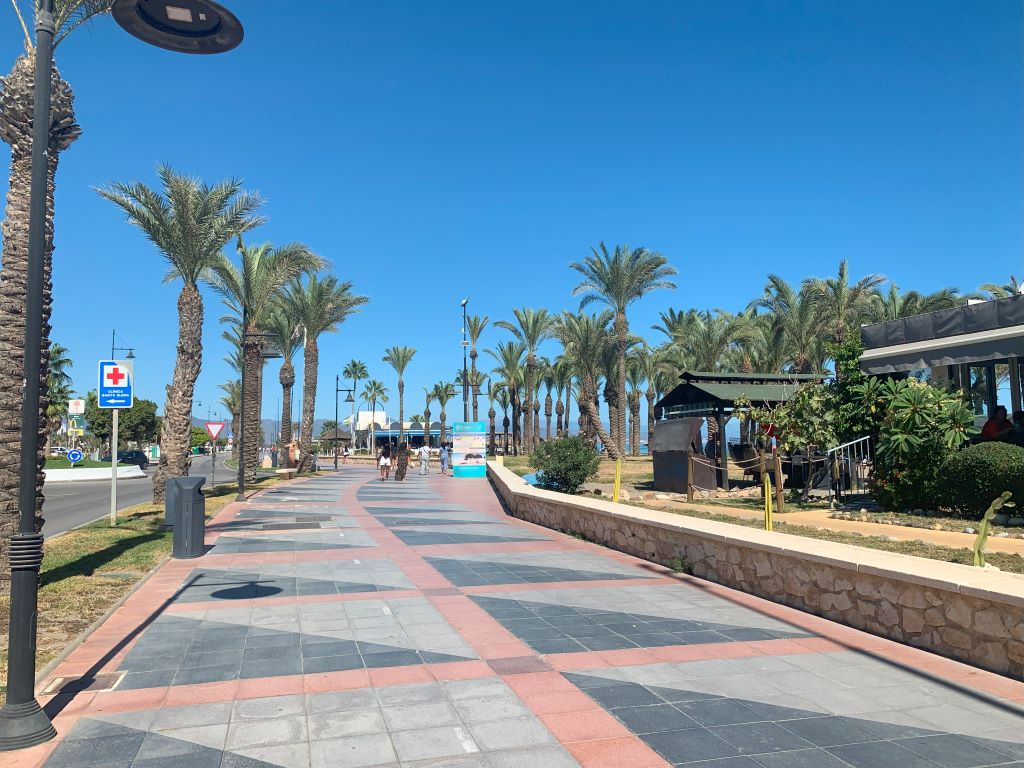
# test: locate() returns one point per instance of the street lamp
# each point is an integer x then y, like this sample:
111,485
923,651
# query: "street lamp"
23,723
338,389
465,372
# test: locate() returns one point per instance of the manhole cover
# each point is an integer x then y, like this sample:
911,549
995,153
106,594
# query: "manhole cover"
289,526
71,685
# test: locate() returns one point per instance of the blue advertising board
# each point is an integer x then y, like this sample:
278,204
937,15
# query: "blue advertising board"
469,449
116,384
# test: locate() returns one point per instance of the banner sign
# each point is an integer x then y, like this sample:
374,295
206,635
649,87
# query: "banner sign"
469,449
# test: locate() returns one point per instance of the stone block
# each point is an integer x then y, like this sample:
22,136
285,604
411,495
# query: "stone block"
888,616
992,656
989,623
889,591
839,601
913,597
866,608
957,639
934,617
959,611
843,584
866,587
913,620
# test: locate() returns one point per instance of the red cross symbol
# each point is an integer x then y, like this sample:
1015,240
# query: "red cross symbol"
114,376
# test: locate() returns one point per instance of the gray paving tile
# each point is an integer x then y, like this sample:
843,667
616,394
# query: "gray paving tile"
880,754
804,758
411,717
433,743
269,708
951,751
511,734
757,738
352,752
689,745
541,757
336,725
259,733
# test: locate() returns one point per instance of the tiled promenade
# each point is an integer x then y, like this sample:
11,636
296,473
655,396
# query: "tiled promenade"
342,622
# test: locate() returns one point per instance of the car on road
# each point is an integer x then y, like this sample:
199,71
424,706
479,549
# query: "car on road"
58,450
138,458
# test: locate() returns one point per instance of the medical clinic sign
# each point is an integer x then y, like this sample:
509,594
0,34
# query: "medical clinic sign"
116,385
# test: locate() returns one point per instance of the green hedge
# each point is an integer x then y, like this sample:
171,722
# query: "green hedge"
565,464
970,479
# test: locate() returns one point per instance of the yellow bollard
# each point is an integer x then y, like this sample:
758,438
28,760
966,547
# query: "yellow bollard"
618,480
767,502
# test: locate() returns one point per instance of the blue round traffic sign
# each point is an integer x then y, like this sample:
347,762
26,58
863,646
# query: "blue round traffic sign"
74,456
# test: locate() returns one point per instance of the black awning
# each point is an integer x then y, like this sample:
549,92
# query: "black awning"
976,333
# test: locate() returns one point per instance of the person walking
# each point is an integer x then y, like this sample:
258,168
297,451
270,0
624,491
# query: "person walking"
424,459
401,462
384,462
443,456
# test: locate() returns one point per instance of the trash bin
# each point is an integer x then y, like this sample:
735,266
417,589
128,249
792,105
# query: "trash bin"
172,502
189,518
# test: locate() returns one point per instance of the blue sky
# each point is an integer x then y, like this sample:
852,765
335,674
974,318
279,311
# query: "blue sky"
433,151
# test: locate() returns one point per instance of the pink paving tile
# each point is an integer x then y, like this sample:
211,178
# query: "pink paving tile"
270,686
594,584
557,702
590,725
400,676
616,753
460,670
539,683
337,681
519,665
203,693
127,701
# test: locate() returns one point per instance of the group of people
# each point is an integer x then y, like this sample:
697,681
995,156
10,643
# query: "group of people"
999,427
398,457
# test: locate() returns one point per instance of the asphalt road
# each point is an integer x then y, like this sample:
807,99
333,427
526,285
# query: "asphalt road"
69,505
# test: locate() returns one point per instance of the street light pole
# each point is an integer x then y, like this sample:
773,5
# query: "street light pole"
337,383
212,29
465,372
23,723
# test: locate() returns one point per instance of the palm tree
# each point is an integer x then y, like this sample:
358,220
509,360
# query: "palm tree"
16,104
617,280
635,378
842,306
503,400
58,386
994,290
796,320
189,222
252,291
492,393
894,305
398,358
562,372
428,394
547,377
286,341
509,355
356,371
533,327
584,338
232,402
650,363
475,327
319,306
443,392
375,392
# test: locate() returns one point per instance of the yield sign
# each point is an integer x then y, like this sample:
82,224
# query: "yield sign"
214,428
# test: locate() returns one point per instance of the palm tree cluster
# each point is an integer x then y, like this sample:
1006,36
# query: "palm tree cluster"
276,298
786,329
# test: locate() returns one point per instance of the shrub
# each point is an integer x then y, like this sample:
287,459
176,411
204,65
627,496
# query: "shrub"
565,464
970,479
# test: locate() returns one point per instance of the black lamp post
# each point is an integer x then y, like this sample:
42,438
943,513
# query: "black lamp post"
190,26
465,372
337,389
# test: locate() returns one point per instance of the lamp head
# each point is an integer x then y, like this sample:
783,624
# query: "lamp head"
185,26
464,302
350,399
131,354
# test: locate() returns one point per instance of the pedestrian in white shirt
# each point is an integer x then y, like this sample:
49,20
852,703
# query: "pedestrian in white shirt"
424,459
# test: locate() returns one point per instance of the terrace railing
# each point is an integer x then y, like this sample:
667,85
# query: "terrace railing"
850,465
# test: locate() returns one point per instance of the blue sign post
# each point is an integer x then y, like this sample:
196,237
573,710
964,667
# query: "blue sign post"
116,391
75,455
117,384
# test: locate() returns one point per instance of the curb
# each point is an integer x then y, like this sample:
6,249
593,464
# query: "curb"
85,634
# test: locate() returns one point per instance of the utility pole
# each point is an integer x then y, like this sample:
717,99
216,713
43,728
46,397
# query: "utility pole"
465,370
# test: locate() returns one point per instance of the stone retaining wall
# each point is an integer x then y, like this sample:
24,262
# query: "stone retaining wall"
971,614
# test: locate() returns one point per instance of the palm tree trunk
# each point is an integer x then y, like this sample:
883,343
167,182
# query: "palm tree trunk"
310,372
444,417
568,404
527,406
635,424
426,425
536,423
287,379
650,395
472,358
504,423
490,418
16,103
622,329
586,404
547,416
401,411
176,429
515,422
559,413
253,362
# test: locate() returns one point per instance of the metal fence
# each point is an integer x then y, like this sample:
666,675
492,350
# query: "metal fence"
851,465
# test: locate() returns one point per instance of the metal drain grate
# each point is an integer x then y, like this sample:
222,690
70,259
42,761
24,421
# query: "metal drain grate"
67,686
289,526
313,518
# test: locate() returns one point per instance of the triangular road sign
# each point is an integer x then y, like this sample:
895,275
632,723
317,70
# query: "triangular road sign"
214,428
